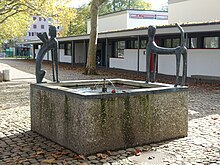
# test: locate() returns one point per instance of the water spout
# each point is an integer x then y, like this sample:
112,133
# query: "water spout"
104,88
103,84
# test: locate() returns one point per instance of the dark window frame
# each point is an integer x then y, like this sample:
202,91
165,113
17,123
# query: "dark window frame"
67,46
120,46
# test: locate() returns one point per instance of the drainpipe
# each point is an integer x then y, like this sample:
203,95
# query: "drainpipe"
84,52
73,53
138,55
106,53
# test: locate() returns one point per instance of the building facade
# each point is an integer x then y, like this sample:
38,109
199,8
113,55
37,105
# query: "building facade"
126,49
193,11
129,19
39,25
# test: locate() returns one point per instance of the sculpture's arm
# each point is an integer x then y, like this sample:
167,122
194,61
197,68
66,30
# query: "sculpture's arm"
182,35
43,37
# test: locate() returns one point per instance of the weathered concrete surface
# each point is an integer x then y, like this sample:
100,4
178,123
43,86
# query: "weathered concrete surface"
88,125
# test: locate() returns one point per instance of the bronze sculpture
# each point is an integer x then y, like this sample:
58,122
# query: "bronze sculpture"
48,44
178,51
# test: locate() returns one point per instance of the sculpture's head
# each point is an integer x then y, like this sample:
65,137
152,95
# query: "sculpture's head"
151,31
52,31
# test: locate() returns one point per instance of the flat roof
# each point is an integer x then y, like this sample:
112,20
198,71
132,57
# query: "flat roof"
161,29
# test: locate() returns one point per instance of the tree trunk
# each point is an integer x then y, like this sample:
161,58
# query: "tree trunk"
91,58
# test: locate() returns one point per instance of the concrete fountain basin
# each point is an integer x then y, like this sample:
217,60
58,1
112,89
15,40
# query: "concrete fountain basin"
87,120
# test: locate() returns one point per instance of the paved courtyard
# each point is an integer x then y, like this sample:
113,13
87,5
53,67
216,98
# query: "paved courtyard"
20,145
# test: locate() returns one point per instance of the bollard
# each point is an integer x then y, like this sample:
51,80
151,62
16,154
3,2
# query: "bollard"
1,76
6,75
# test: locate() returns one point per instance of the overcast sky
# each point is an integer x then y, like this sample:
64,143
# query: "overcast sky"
155,3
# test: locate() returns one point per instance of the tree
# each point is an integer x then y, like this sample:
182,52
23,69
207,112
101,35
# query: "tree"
78,25
164,7
95,4
17,15
118,5
91,58
64,18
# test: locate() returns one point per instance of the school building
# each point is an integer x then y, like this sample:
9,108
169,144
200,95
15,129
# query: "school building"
124,46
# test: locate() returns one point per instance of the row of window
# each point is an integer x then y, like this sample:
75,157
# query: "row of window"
192,43
40,19
32,33
119,46
35,26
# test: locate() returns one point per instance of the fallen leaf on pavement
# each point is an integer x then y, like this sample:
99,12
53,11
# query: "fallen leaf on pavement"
48,161
40,153
109,153
79,157
102,156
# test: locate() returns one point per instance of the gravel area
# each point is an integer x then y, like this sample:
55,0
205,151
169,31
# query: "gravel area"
20,145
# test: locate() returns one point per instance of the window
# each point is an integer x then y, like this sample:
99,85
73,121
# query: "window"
32,33
132,44
40,18
34,18
49,20
210,42
35,46
61,46
35,26
167,43
143,44
29,33
171,42
42,26
176,42
67,49
119,48
193,43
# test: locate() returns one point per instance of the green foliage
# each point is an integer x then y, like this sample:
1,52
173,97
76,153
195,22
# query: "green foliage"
164,7
14,27
15,15
79,24
118,5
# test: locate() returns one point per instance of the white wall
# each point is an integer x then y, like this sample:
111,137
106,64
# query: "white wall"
200,62
193,10
80,53
130,60
129,19
115,21
65,58
204,62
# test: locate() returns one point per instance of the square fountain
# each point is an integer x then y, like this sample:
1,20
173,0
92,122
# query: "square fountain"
90,116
